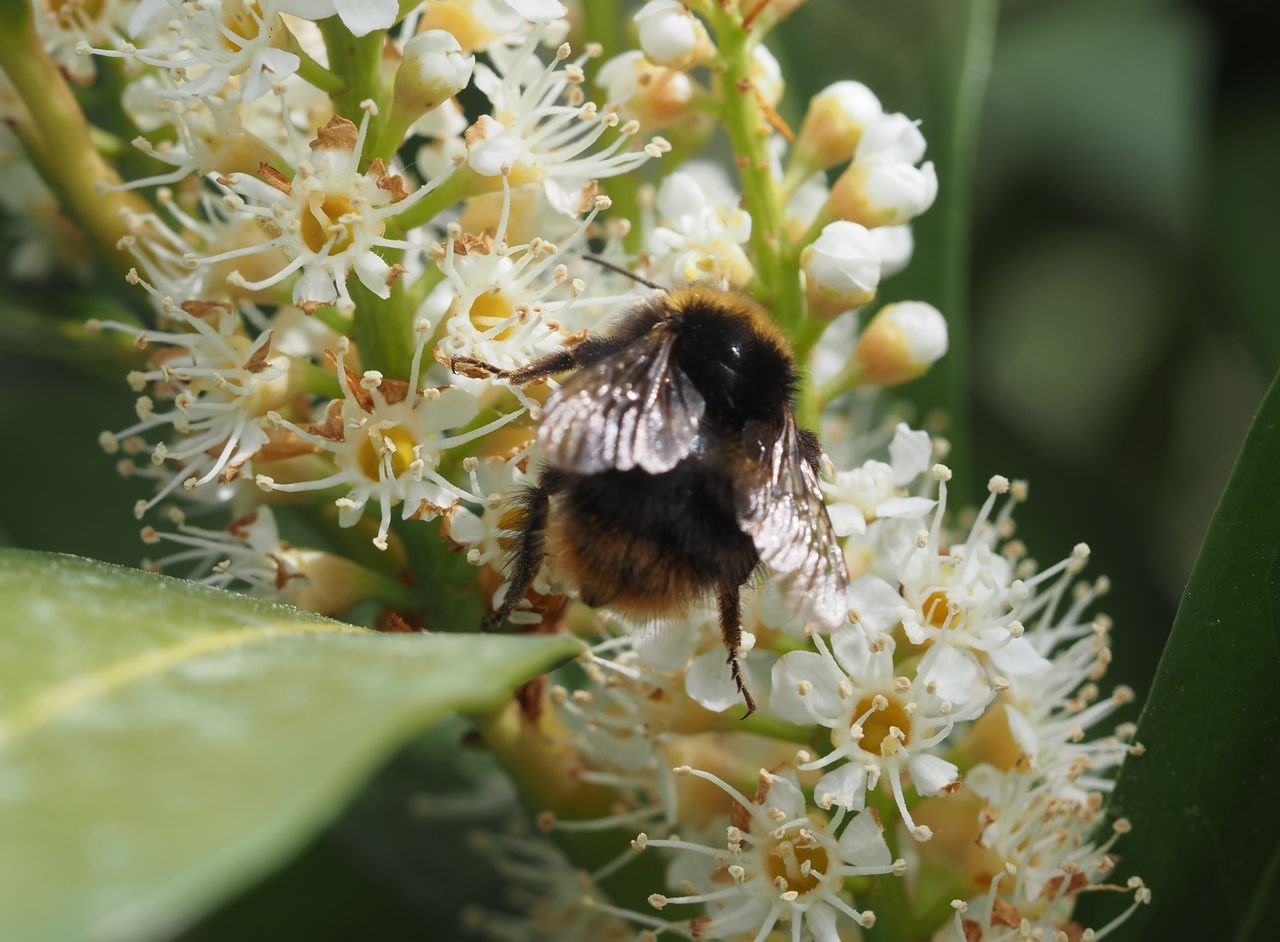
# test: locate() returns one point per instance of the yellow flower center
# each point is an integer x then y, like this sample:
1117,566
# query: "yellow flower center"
243,20
936,608
66,11
490,309
322,213
371,455
875,728
799,859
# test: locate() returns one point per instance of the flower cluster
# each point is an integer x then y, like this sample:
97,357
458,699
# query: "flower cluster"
329,205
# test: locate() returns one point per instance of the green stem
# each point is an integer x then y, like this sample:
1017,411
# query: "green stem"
357,63
384,339
311,71
749,134
603,23
462,183
36,333
66,152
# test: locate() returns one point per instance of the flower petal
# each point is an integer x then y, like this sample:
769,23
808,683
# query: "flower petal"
364,16
931,775
822,678
862,843
875,604
846,787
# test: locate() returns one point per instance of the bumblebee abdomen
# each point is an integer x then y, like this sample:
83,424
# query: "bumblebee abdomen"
650,543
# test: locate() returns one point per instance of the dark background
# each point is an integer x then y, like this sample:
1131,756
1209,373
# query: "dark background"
1124,327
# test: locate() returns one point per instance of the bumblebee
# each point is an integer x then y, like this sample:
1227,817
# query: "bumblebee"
674,469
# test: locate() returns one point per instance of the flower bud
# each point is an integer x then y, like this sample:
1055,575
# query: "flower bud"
841,268
434,69
766,75
902,341
671,36
896,245
322,582
834,124
892,137
655,96
883,192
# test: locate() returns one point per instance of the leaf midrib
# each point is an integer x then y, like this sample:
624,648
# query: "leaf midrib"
50,705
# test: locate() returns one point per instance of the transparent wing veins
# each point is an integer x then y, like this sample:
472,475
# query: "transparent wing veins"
782,510
635,409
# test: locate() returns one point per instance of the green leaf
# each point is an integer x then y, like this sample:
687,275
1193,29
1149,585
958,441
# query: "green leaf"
1202,797
163,744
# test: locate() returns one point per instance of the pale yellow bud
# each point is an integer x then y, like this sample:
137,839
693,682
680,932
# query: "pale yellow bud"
900,344
834,123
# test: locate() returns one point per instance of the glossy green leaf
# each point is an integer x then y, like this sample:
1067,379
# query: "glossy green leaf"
1206,837
163,744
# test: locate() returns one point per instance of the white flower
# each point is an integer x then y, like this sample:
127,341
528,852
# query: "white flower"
481,24
881,724
360,16
541,130
556,902
702,234
506,303
386,439
66,29
670,35
222,383
874,490
1050,856
781,862
330,218
883,186
968,596
900,343
206,45
250,552
841,268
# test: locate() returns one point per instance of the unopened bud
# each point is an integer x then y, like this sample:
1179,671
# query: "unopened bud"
841,268
892,137
896,244
766,75
657,97
671,36
902,341
883,192
322,582
834,124
434,69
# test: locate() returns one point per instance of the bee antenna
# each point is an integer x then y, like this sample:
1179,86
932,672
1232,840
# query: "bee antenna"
622,271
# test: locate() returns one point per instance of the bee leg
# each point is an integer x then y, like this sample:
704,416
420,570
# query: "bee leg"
534,502
541,368
731,631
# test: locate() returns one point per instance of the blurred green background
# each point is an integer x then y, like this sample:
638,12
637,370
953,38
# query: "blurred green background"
1122,333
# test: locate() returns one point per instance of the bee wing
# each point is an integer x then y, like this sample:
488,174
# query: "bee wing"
781,509
633,409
